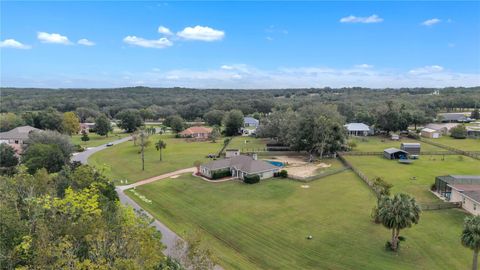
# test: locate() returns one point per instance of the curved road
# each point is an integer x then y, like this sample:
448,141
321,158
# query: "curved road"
169,238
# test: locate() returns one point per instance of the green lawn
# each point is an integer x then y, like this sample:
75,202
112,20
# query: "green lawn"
424,169
468,144
123,161
378,144
246,144
96,140
264,226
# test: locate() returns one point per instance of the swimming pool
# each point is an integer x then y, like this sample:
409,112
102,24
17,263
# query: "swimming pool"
275,163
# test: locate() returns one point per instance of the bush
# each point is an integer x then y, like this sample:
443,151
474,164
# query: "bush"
221,174
459,132
283,174
402,238
433,187
78,148
413,135
251,179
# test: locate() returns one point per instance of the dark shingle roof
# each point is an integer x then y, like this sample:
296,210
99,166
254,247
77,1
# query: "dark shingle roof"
20,133
243,163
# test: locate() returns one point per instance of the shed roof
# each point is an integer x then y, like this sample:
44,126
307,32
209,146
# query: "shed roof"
429,130
243,163
412,145
195,130
453,117
393,150
357,127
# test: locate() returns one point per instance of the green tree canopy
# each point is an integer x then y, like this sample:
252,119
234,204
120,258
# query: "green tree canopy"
129,119
233,121
102,125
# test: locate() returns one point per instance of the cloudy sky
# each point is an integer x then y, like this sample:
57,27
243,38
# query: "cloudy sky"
240,44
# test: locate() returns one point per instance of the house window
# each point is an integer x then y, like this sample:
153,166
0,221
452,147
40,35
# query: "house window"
474,206
463,201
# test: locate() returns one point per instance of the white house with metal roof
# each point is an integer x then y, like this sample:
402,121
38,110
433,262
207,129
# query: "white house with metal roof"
358,129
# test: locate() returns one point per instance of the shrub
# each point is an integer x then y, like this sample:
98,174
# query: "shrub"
402,238
459,132
433,187
251,179
221,174
413,135
283,174
78,148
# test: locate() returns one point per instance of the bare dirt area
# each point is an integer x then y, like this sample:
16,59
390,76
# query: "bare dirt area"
300,167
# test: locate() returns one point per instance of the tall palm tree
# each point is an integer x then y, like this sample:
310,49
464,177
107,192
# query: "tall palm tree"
398,212
159,146
144,142
471,237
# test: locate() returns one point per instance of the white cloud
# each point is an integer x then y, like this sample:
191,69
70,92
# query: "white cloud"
354,19
227,67
148,43
12,43
431,22
364,66
426,70
53,38
86,42
164,30
203,33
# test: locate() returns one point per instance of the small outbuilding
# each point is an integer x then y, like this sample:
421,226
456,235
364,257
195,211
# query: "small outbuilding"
395,153
430,133
232,153
411,148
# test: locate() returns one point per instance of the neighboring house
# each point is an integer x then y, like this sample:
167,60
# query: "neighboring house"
18,135
453,118
250,122
430,133
239,167
196,132
460,188
411,148
473,131
394,153
232,153
442,128
358,129
86,127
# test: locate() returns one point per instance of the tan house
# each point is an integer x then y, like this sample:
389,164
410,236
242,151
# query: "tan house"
17,137
196,132
460,188
430,133
442,128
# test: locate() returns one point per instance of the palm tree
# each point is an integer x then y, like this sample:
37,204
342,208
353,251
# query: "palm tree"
471,237
144,142
159,146
398,212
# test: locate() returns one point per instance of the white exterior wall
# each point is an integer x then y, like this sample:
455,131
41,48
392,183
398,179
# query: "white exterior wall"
205,171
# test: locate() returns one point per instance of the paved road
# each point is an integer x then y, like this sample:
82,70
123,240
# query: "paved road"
83,156
169,238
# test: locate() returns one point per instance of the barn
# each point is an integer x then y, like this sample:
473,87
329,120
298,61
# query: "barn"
395,153
411,148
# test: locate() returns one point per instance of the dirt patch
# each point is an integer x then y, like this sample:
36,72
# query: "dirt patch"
174,176
299,165
305,186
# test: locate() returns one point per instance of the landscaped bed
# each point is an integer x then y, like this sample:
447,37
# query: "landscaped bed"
264,226
123,161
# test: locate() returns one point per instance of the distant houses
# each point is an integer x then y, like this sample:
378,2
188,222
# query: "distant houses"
460,188
86,127
430,133
358,129
201,133
250,126
444,128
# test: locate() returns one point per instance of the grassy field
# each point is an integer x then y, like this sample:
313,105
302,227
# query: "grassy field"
424,169
96,140
264,226
123,161
378,144
468,144
246,144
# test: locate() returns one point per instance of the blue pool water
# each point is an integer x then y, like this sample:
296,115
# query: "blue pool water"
276,163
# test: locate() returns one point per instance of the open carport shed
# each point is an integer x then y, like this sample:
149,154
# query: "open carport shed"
394,153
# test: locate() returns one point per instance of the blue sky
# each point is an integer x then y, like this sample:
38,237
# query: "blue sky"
240,44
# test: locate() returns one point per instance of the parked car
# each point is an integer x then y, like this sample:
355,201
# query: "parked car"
109,144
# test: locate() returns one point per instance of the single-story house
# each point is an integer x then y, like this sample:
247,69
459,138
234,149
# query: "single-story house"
196,132
442,128
473,131
411,148
232,153
395,153
239,167
453,118
460,188
86,127
18,135
250,122
358,129
430,133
